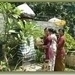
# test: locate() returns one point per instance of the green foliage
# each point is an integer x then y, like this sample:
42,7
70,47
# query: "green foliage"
63,10
70,41
39,56
3,66
32,29
21,27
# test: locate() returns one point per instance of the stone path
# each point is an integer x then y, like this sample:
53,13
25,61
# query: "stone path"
68,69
36,67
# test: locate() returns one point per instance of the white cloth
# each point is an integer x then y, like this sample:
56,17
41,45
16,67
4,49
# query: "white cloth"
53,46
52,64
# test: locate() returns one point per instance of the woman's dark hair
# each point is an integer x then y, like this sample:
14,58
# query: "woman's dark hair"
50,30
45,29
61,30
54,31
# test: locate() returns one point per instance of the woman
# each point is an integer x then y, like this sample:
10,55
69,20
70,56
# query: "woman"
46,47
50,47
53,49
47,42
60,58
